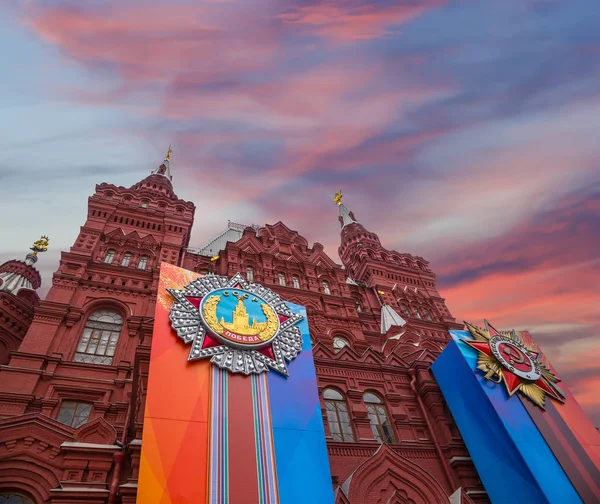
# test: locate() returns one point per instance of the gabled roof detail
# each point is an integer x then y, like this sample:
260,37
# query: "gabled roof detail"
409,481
320,255
370,356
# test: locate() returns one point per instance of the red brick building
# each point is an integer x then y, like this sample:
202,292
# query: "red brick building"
74,367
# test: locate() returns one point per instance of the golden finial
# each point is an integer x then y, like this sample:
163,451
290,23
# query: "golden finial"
337,199
168,156
381,292
40,245
213,259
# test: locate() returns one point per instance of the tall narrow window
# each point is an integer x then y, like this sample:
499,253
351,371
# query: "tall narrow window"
417,313
143,262
405,310
99,338
380,425
427,313
339,343
282,279
74,414
249,274
296,281
126,259
110,255
326,288
337,416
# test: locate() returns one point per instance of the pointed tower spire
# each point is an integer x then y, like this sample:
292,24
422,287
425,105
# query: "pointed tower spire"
346,217
353,236
164,169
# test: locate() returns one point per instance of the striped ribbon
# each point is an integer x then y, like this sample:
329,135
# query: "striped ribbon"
263,432
241,403
218,487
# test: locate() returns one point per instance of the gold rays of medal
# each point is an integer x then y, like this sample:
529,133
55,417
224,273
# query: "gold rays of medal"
535,390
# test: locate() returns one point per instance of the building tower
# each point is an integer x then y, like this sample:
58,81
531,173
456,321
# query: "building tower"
70,395
400,280
18,283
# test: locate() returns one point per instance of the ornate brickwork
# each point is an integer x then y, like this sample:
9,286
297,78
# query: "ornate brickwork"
72,396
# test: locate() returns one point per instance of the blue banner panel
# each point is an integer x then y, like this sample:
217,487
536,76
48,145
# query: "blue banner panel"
512,458
300,449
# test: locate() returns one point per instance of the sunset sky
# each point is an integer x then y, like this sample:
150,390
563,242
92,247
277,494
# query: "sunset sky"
466,132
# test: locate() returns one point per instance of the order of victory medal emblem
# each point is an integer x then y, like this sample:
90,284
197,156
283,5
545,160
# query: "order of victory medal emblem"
245,328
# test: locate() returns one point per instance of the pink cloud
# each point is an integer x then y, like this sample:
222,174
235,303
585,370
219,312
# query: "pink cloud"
153,43
346,21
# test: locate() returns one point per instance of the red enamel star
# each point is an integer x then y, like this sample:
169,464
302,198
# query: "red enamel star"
503,357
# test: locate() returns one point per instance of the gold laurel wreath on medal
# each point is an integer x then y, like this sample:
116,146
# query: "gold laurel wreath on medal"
209,311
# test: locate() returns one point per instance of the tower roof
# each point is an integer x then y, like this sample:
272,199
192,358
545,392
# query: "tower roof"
164,169
159,180
16,275
346,217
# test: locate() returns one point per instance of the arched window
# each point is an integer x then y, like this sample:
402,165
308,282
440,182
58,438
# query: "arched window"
427,313
417,313
143,262
249,274
405,310
13,498
74,414
337,416
326,288
110,255
126,259
295,281
282,279
99,338
339,343
381,427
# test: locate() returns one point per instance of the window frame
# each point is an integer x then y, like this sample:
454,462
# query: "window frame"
377,409
335,409
77,404
5,495
295,281
281,279
92,335
110,256
326,287
250,274
126,259
143,262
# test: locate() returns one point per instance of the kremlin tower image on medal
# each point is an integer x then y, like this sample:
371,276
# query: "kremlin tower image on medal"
255,368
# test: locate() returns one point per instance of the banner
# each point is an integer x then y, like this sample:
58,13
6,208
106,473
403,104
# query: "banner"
228,418
527,436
